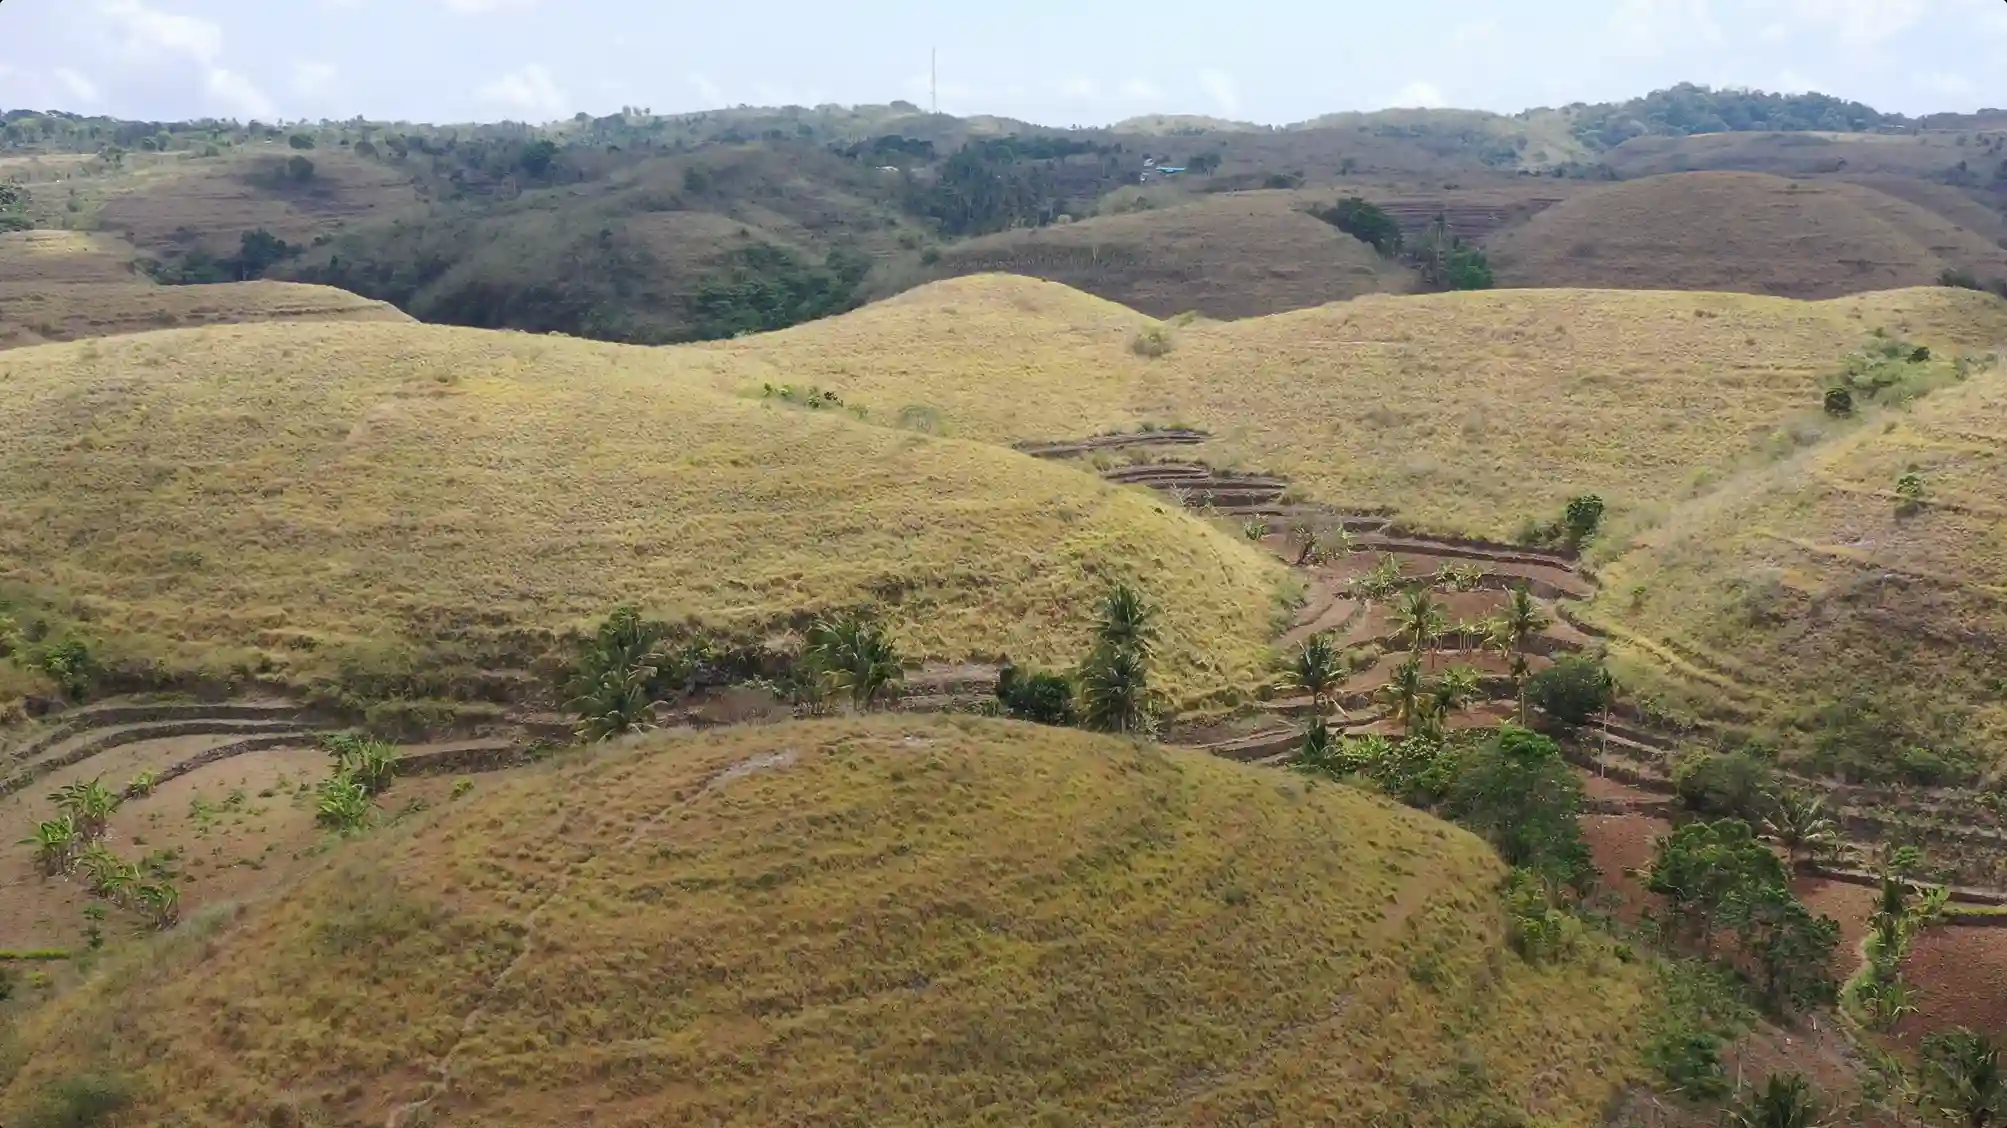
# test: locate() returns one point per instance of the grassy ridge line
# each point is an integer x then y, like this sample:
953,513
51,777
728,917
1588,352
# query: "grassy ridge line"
425,509
991,920
1465,413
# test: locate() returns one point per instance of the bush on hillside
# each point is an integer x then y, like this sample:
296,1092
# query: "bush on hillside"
1572,690
1153,342
1365,222
1037,695
1737,784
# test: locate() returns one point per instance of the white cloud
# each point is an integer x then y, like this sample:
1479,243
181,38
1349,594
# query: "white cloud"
1080,89
77,85
1425,95
237,94
712,94
312,79
1219,86
486,7
145,32
531,91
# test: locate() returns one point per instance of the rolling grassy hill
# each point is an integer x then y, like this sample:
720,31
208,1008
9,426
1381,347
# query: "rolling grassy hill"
1813,596
885,921
422,510
1240,254
1740,231
1462,412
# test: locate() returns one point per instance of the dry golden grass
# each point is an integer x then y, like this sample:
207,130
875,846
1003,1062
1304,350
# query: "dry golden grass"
210,202
1808,580
431,505
1740,231
37,313
1243,254
1464,412
30,258
890,921
1926,154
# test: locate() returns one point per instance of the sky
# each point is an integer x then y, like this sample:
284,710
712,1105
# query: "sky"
1055,62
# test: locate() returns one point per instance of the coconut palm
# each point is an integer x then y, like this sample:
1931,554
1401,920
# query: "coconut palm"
614,702
1512,632
1318,753
1784,1101
1115,690
55,843
1317,670
1799,824
1963,1077
855,656
160,901
1407,695
1420,618
88,805
1126,620
1454,689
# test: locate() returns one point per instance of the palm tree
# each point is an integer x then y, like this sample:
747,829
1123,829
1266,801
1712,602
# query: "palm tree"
88,805
1456,688
1784,1101
1420,617
1512,632
1319,749
614,703
855,656
1127,621
1115,690
1317,670
1799,824
1962,1074
1407,695
55,844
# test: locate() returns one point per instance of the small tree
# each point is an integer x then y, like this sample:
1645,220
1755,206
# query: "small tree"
1407,695
1839,402
1512,632
1318,754
1519,794
1784,1101
853,655
1702,867
300,141
1126,620
1582,518
1963,1077
1791,948
1317,670
1799,824
1038,696
1571,690
1419,617
299,169
1115,690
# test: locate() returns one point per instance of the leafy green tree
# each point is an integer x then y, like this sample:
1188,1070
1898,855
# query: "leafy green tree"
1702,867
1420,618
1039,696
1126,620
1791,948
1784,1101
1962,1076
1520,795
1512,632
853,655
300,141
1582,518
1318,669
1571,690
1115,690
1799,823
1365,222
1407,695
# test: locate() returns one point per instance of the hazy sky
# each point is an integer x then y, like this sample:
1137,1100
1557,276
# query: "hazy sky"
1059,62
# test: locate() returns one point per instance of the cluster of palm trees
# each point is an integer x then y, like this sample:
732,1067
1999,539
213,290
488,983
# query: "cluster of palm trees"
73,842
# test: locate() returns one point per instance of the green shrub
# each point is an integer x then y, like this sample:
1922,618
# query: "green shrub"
1571,690
1365,222
1039,696
1734,783
1582,518
1153,342
1839,402
84,1100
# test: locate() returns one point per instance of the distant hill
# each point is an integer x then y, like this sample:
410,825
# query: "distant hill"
1242,254
1740,231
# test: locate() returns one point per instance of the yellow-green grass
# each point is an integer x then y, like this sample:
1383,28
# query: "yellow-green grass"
861,922
1812,581
1462,412
39,312
408,506
1742,231
159,207
1239,254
